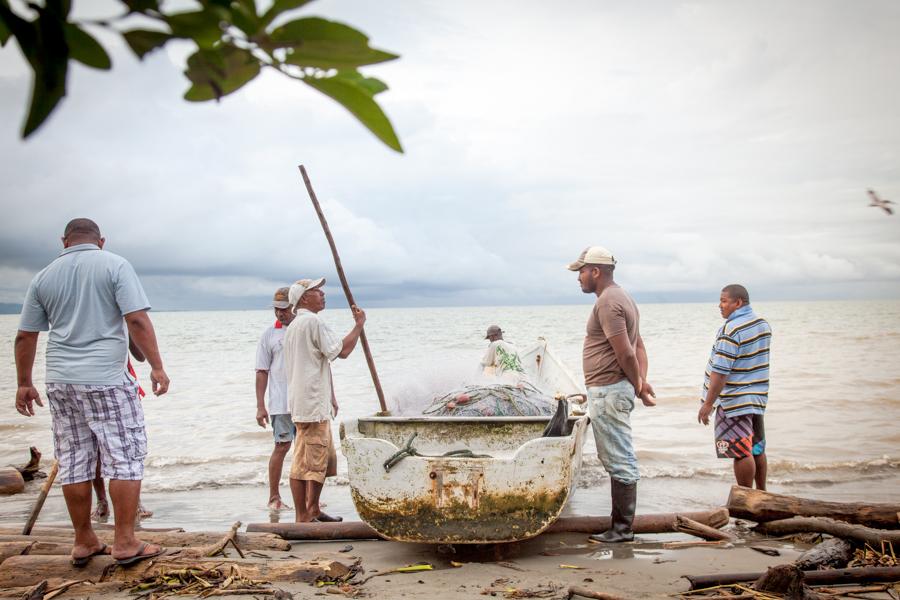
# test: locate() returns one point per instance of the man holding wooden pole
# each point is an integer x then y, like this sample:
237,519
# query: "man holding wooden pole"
309,348
87,298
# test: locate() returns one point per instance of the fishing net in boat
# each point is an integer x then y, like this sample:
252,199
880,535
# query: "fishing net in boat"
493,400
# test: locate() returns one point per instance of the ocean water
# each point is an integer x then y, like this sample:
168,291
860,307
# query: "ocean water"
833,423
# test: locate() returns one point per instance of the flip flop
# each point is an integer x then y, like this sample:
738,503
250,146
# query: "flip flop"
130,560
326,518
81,561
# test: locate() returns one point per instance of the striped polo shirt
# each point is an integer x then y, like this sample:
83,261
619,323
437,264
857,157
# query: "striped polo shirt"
741,352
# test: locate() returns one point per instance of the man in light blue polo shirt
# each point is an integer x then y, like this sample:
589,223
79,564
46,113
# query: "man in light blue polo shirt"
86,297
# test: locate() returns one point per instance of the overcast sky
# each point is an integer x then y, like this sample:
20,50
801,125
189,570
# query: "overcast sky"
703,142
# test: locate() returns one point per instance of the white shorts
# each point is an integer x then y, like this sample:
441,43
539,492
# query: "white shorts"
97,420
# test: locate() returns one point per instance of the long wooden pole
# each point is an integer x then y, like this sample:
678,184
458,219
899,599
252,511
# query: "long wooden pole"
39,503
340,271
349,530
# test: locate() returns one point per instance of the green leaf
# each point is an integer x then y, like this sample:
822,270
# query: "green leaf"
5,33
219,72
85,49
144,41
202,26
280,6
243,16
315,42
48,54
355,93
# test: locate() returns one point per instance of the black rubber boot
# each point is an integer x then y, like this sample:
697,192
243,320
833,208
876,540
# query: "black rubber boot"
624,498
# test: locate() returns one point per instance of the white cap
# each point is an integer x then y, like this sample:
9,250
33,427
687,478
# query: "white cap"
593,255
301,287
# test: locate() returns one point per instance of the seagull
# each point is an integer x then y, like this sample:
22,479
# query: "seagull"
882,204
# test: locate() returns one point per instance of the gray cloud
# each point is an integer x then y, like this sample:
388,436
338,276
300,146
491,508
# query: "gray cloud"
705,142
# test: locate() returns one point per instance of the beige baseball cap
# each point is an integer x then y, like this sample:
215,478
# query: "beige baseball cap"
280,299
593,255
302,286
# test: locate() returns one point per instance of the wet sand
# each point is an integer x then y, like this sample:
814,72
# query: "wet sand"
642,569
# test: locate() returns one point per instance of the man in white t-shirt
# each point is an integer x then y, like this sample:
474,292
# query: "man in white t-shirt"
501,358
309,348
270,374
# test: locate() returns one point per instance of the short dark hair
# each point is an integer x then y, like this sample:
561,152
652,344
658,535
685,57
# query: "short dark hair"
604,268
82,227
736,291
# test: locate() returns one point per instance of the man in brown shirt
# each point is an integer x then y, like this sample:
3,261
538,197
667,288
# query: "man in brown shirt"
615,372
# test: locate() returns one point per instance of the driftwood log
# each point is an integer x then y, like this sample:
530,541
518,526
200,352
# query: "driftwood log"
823,577
345,530
21,571
786,581
357,530
31,469
11,481
831,553
173,539
84,589
860,533
576,590
762,506
65,529
685,525
649,523
216,548
8,549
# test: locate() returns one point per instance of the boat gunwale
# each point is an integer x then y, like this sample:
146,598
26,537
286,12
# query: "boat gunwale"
495,419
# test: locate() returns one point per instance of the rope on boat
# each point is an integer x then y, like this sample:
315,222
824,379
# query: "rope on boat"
408,450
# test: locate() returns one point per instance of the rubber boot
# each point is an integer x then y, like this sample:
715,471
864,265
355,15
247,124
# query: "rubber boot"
624,498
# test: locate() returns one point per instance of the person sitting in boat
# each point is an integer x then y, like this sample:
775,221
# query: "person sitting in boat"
501,359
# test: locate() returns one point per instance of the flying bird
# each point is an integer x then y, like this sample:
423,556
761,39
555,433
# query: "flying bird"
882,204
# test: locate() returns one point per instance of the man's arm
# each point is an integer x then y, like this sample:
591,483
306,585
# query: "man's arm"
135,351
716,384
628,361
647,394
26,393
349,343
140,329
262,381
334,404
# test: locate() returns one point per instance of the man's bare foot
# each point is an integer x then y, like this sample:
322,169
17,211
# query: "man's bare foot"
101,511
143,512
277,504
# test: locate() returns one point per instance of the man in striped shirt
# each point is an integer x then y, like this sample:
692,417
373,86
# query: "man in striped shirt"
737,386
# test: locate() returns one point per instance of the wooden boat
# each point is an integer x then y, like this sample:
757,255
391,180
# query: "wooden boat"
509,484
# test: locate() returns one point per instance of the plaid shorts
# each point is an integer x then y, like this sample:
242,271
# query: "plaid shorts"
92,420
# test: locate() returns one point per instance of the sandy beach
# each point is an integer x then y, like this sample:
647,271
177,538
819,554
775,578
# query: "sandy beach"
547,565
543,567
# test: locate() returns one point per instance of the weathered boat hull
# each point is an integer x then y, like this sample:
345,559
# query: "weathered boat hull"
513,494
